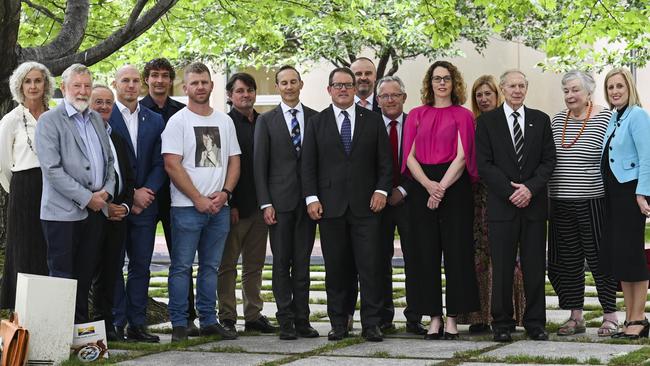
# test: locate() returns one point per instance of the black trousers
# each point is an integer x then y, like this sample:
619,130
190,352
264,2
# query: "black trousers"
394,217
164,208
347,242
529,237
72,252
108,268
292,240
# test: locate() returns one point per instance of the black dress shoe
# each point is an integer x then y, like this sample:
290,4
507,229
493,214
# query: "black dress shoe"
179,334
435,336
139,334
262,324
287,331
479,328
119,332
502,335
372,334
537,334
387,327
305,330
337,333
192,330
217,329
450,336
229,325
416,328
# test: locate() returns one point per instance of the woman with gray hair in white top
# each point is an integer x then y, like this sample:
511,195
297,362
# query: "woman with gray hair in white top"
32,86
577,205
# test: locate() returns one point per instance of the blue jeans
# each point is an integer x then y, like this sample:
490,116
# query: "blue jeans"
192,231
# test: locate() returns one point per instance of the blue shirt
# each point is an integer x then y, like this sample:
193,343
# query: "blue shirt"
92,145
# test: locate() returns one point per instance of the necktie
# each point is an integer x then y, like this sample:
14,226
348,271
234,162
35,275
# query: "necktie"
394,142
295,130
363,103
519,139
346,133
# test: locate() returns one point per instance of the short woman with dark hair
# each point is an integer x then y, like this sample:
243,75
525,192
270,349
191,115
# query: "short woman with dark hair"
439,154
32,87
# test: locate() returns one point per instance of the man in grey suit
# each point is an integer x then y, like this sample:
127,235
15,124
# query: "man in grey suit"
277,151
78,181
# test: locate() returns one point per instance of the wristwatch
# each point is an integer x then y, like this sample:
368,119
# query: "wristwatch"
228,193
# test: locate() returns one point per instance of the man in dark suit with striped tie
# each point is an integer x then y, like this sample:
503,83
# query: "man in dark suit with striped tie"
346,177
276,166
391,95
516,157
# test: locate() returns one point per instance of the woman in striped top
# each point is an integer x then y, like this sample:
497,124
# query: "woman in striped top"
577,205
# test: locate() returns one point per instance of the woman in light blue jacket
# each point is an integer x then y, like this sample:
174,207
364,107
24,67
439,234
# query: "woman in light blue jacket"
626,174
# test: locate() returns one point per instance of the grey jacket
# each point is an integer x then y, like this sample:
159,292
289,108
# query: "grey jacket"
65,166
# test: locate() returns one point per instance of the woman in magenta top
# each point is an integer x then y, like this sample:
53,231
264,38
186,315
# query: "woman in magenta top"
439,153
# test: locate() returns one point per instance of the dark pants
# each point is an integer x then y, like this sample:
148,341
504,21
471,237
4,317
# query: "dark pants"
347,242
392,217
108,270
530,238
72,252
164,208
292,240
130,303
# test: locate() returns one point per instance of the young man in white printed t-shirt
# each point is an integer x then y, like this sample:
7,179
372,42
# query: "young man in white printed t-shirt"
201,154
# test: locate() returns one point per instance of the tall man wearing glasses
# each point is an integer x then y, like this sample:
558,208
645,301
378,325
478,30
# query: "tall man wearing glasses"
346,177
391,95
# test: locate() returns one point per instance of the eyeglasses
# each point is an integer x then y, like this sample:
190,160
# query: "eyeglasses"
438,79
339,86
390,96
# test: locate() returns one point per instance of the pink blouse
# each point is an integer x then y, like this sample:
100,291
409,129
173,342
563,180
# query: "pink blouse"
435,132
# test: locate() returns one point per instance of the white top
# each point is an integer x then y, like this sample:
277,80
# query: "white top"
521,119
15,153
205,143
131,121
286,112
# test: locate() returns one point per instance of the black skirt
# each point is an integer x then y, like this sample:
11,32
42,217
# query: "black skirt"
26,251
622,254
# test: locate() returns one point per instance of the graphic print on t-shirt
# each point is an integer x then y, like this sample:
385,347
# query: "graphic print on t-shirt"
208,147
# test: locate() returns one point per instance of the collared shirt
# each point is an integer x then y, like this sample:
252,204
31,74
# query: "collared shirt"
300,116
369,99
399,126
169,109
521,119
244,197
118,174
92,145
352,115
131,121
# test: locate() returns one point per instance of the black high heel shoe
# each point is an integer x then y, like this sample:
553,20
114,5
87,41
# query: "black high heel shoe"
642,334
622,333
435,336
451,336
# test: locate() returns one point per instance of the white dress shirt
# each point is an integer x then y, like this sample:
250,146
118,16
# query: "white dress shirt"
131,121
510,118
286,113
399,127
369,99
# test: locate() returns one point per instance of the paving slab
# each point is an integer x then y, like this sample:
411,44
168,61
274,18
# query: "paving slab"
581,351
509,364
201,358
266,344
357,361
413,348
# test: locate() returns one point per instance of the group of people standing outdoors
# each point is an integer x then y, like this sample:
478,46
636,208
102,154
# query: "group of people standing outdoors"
89,180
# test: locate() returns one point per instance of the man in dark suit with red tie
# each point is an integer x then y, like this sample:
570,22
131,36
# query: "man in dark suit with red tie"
276,166
516,157
346,177
391,95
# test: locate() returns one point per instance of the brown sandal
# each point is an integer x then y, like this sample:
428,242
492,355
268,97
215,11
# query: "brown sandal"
608,328
571,327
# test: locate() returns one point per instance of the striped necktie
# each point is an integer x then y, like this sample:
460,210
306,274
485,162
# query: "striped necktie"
295,130
519,139
346,132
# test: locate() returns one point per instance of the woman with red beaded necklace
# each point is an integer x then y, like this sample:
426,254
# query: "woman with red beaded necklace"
577,205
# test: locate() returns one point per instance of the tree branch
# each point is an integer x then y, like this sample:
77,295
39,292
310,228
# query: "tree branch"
43,10
395,64
135,13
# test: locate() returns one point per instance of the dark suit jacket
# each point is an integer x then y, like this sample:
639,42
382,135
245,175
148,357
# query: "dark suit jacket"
276,163
148,164
126,172
342,181
497,162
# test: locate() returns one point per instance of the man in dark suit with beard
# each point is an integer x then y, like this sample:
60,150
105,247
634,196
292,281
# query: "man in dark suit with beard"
346,177
516,157
277,151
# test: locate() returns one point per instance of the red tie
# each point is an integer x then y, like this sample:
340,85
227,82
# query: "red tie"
394,142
